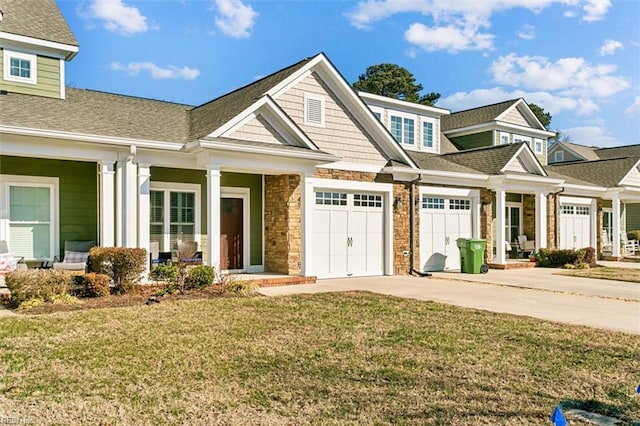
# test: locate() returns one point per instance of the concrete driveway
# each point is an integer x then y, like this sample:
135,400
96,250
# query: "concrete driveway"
537,293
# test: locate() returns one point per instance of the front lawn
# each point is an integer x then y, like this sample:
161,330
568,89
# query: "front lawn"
351,358
606,273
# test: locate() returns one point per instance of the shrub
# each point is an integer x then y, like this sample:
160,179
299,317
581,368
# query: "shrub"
199,277
123,265
95,285
633,235
45,284
566,258
164,272
231,285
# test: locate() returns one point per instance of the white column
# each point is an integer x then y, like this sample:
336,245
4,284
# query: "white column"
541,220
501,204
213,215
615,202
130,211
593,211
307,205
119,203
107,203
144,207
477,212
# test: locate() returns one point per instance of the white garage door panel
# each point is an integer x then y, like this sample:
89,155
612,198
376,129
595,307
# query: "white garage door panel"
348,235
575,226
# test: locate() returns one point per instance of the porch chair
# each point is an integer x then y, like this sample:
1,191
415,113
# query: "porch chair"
8,261
607,245
528,246
76,256
628,246
188,252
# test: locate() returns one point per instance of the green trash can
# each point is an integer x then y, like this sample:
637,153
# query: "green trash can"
472,255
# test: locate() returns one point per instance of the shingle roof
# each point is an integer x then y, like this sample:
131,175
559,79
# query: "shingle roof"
586,152
607,173
470,117
488,160
39,19
437,162
208,117
618,151
446,146
98,113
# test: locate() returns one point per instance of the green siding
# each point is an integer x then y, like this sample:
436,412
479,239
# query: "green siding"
48,79
239,180
474,141
633,216
78,194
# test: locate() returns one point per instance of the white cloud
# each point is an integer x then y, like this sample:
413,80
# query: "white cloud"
551,103
634,108
569,76
610,46
527,32
592,136
118,17
156,72
450,38
595,10
235,19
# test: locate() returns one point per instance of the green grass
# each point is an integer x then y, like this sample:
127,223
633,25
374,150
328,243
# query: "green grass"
317,359
606,273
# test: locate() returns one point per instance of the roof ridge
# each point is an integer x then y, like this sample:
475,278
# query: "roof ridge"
485,148
512,101
120,95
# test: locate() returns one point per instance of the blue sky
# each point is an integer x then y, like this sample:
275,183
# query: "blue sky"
578,59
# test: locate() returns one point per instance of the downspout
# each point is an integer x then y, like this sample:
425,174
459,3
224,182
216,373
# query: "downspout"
412,242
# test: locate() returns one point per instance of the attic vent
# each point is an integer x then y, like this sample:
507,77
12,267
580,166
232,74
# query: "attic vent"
314,110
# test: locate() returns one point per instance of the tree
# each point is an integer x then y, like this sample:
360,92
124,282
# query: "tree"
393,81
544,117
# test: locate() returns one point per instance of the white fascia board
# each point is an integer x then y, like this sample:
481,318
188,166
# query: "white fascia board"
243,162
66,51
402,173
523,183
352,185
497,125
500,125
33,147
262,150
353,167
626,194
356,106
82,137
387,102
530,158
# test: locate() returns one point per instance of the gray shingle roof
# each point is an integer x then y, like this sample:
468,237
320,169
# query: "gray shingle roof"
39,19
437,162
488,160
618,151
98,113
607,173
208,117
586,152
470,117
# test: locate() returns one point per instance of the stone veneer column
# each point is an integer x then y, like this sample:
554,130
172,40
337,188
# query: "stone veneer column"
282,224
551,221
486,221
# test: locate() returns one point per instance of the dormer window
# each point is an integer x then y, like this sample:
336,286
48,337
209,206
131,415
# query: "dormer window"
403,129
20,67
427,134
314,110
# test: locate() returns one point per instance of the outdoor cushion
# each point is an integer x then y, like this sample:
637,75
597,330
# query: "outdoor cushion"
8,263
75,257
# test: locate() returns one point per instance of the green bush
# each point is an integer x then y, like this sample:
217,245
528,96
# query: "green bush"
123,265
164,272
46,284
577,258
634,235
199,277
95,285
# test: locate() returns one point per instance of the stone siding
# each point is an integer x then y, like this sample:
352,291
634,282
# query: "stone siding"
529,216
282,224
486,221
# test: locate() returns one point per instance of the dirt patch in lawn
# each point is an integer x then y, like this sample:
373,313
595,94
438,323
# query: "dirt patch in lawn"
606,273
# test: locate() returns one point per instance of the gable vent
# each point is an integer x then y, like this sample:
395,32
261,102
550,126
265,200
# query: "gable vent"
314,111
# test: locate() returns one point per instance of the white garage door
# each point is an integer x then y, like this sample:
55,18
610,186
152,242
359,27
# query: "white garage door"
348,234
442,222
575,226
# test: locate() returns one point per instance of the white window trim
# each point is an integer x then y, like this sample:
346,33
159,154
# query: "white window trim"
434,140
307,98
33,59
404,116
535,145
558,156
17,180
245,195
179,187
378,110
503,134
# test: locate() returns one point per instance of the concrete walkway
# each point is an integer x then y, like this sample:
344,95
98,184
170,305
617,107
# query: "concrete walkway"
537,293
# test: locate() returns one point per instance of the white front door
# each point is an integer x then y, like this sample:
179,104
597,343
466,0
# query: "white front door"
575,226
348,234
442,222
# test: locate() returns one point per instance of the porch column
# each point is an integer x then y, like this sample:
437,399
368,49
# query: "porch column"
213,216
107,203
501,205
477,211
307,203
541,220
144,207
119,231
615,203
593,211
130,211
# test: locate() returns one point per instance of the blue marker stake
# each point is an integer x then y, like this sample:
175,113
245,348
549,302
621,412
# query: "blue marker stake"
557,418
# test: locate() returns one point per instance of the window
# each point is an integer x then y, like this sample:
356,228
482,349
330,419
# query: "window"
314,110
174,213
538,145
564,209
378,115
433,203
520,139
331,198
504,138
20,67
366,200
402,129
30,221
462,204
427,134
558,156
582,210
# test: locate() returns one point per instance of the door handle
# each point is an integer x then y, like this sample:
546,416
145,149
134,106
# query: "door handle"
446,240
